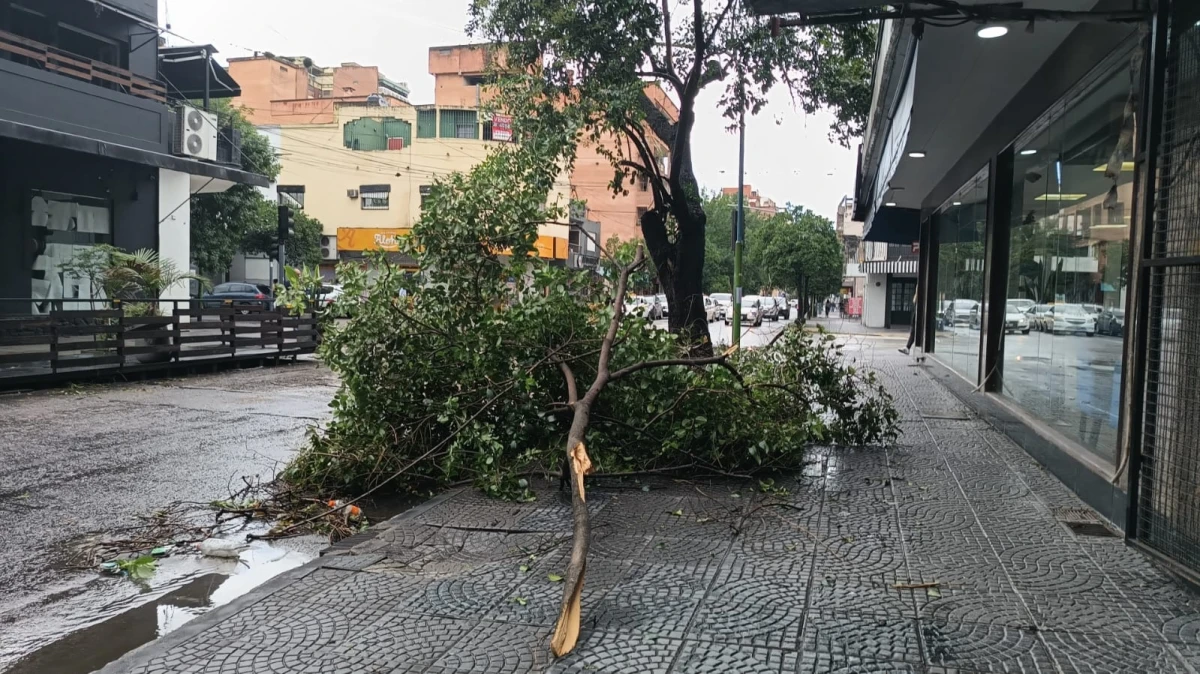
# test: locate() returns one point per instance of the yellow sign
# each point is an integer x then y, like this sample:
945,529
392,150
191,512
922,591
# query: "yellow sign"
370,238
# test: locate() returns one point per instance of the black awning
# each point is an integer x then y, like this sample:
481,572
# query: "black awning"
184,70
892,224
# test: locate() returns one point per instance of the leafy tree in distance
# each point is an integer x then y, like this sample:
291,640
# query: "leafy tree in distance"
585,66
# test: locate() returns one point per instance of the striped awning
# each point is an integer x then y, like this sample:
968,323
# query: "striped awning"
889,267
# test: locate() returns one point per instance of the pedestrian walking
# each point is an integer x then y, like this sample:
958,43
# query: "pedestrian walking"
828,307
912,328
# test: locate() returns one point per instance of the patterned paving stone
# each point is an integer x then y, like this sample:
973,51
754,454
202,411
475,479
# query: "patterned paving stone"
700,657
496,648
536,600
619,653
977,570
1107,654
835,663
862,637
742,608
869,595
468,595
861,554
682,550
1053,568
966,606
984,647
942,516
1090,613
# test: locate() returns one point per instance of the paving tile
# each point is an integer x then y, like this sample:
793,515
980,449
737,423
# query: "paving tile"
1108,654
861,636
984,647
702,657
751,609
867,594
619,653
495,648
835,663
968,606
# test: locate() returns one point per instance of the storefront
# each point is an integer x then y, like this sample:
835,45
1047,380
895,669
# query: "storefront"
1054,176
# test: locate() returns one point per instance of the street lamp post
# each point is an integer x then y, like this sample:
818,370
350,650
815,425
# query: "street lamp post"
739,239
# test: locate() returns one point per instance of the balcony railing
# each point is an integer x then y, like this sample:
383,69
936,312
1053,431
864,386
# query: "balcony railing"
78,67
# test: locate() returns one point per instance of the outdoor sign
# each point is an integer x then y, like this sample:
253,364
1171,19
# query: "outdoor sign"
370,238
916,247
854,306
502,127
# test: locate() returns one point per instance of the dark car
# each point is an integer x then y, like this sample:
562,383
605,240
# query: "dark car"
1111,322
785,309
239,294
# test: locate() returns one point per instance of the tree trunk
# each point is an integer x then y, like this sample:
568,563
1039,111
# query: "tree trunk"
680,267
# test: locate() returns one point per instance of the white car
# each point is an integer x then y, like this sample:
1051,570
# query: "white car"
752,313
1015,319
724,301
1074,319
711,308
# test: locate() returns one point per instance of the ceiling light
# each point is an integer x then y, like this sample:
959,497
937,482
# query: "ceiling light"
958,203
1125,166
917,155
1023,152
890,203
989,32
1059,196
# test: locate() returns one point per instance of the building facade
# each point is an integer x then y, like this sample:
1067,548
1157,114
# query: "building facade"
95,146
1043,172
849,233
753,200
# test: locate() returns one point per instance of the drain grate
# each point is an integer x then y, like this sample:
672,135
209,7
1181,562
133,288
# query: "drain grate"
1096,529
1083,522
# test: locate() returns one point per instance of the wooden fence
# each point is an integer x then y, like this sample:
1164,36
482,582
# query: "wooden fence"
82,68
69,344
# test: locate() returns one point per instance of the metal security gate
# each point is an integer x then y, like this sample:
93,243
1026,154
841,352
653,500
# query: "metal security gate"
1167,477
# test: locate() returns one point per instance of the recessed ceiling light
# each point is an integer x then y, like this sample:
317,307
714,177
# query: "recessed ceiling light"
890,203
917,155
989,32
1028,152
958,203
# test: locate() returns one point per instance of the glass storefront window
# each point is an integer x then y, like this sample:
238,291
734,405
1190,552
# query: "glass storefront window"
61,225
960,225
1069,266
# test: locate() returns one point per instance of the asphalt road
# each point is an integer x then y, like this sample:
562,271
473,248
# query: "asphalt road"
80,460
1070,381
722,334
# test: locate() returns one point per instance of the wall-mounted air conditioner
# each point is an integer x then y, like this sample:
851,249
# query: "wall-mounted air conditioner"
328,248
351,194
195,133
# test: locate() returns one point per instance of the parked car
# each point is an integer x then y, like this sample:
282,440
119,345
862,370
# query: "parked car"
644,305
958,312
724,301
1111,322
785,310
770,310
664,310
1073,319
1041,317
1015,319
1094,309
751,311
238,294
1023,305
710,308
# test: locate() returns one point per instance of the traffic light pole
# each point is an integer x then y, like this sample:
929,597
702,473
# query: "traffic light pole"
739,240
286,228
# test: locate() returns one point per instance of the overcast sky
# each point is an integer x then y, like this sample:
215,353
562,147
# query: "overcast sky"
788,154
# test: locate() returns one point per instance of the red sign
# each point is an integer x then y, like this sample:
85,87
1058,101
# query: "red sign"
854,306
502,127
395,143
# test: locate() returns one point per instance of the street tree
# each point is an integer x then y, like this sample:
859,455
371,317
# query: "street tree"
600,67
798,251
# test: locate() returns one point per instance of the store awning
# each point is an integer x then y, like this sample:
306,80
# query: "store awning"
185,70
892,224
889,267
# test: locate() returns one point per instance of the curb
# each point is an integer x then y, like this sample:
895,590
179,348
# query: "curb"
143,654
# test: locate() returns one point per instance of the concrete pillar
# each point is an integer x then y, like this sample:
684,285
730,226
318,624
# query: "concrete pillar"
174,227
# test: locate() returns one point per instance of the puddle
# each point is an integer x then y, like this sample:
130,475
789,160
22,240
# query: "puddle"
89,635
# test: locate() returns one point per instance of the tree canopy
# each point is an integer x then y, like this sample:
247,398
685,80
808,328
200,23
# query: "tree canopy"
634,68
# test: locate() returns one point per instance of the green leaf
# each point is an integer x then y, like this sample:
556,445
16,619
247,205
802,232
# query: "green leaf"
676,513
554,578
524,568
520,600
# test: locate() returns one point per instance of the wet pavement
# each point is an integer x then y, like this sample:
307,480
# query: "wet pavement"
947,553
87,459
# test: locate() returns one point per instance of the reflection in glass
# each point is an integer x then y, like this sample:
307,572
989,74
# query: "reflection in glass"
1072,198
960,224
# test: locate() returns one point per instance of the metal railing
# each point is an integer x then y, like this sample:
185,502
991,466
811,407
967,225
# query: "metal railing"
42,339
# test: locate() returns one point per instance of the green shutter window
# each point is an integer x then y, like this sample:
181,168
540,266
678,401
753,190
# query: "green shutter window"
426,124
398,128
364,134
459,124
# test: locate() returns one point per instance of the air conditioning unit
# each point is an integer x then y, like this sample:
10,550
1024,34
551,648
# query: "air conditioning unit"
196,133
351,194
328,248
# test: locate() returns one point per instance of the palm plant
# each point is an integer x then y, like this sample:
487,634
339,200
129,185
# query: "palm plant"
138,278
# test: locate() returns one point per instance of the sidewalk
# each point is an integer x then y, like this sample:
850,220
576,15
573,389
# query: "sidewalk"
943,554
854,326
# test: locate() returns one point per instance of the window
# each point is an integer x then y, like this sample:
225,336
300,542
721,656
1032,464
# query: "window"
375,197
427,123
643,183
1070,249
960,224
62,225
291,195
459,124
425,191
487,130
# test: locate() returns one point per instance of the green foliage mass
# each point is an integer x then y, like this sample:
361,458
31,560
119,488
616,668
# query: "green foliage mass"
455,374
